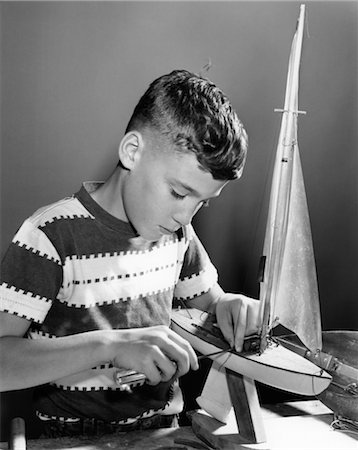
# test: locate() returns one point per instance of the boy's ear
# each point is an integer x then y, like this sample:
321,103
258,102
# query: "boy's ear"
130,149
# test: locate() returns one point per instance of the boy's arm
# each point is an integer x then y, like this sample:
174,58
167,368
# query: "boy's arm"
25,362
237,315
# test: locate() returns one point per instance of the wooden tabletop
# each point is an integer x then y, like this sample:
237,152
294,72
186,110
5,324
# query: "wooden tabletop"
164,438
302,425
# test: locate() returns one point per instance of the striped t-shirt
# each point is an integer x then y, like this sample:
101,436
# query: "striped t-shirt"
71,268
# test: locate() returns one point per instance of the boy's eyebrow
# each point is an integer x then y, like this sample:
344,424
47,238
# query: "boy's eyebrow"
190,189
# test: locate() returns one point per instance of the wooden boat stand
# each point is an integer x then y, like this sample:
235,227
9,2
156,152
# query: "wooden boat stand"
232,415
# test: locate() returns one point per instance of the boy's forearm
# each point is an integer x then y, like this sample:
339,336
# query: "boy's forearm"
208,301
156,351
26,363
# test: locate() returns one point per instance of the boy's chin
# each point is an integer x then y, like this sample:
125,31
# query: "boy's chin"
150,235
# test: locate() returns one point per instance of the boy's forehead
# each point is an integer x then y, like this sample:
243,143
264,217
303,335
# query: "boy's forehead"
181,167
186,172
166,141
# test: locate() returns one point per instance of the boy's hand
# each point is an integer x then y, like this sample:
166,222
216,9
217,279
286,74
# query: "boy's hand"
157,352
237,316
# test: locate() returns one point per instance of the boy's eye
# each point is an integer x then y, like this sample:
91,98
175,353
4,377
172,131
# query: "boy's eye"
176,195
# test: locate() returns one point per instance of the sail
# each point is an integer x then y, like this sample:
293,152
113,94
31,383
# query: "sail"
289,290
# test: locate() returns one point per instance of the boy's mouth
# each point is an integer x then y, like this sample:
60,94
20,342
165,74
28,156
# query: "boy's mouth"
166,230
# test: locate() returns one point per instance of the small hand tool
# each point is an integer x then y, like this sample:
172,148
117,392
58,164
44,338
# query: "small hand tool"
126,379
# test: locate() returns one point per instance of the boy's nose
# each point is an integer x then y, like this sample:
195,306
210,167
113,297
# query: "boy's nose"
185,215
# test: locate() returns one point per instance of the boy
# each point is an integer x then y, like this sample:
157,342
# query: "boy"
91,279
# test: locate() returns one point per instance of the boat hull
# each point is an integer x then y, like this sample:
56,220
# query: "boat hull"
276,366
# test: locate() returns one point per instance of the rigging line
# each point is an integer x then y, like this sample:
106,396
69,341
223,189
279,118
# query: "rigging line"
350,388
344,425
209,355
228,350
185,307
226,360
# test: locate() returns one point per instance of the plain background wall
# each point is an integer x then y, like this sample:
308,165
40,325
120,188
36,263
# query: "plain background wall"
71,74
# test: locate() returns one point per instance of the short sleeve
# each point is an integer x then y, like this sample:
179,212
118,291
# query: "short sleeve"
198,274
31,274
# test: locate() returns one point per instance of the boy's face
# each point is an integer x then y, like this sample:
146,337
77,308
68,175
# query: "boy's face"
164,190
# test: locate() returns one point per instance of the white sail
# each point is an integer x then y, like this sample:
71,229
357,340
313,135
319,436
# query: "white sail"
289,290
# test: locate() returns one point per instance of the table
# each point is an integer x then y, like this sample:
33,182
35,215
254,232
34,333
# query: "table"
300,425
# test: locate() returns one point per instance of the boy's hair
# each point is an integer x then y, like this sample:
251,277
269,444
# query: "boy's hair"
197,117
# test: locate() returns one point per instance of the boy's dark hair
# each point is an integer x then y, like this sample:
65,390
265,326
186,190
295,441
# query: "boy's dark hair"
197,117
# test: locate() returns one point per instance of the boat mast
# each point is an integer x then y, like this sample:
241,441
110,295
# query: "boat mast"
276,228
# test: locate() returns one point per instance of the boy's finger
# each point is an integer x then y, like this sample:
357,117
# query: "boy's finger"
194,364
226,325
153,374
186,346
240,320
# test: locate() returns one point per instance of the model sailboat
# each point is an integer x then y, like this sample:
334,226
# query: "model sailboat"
288,288
288,291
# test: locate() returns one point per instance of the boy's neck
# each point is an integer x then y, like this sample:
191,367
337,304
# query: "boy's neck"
109,195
